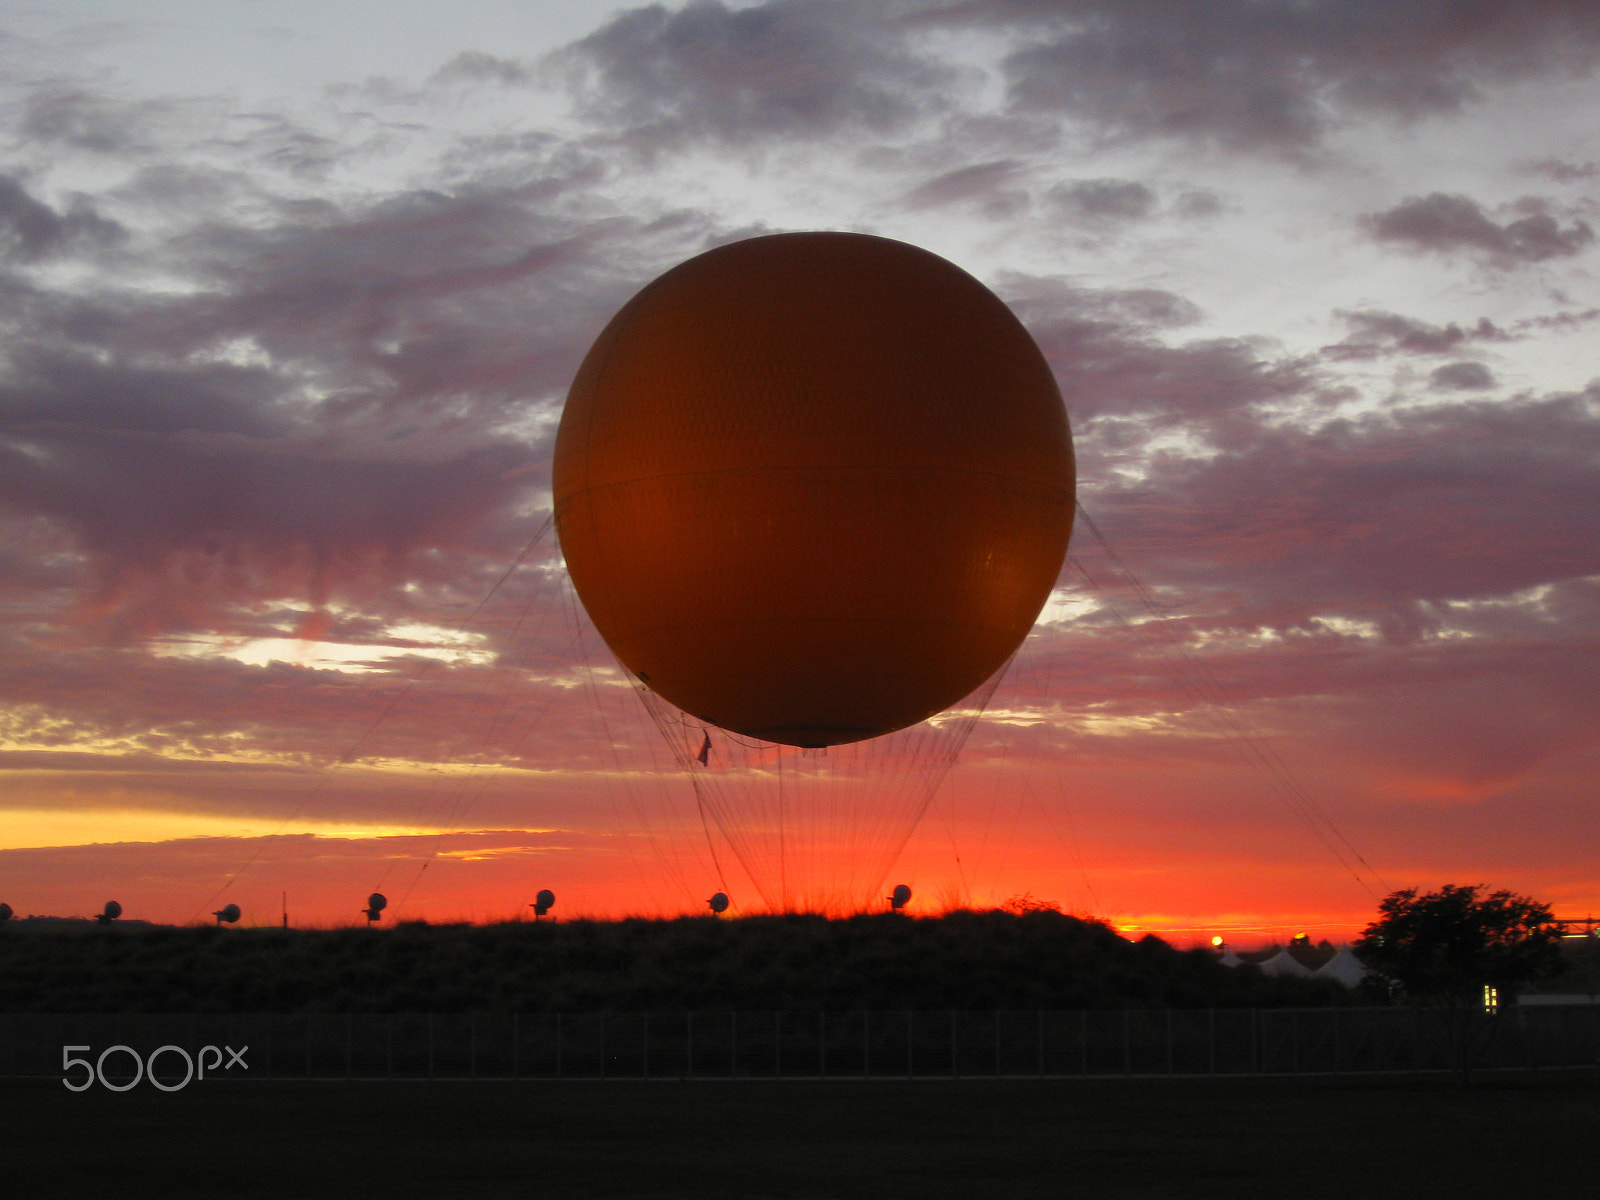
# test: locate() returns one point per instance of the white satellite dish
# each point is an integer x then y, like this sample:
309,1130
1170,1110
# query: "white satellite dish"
376,903
719,903
230,914
899,897
112,911
543,903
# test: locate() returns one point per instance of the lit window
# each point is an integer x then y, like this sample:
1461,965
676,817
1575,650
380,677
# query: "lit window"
1491,999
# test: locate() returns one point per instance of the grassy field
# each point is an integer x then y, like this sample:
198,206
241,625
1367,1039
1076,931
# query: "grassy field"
1412,1137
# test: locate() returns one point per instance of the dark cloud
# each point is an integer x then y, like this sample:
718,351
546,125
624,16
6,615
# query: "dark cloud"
59,388
984,184
1102,200
1124,384
1445,223
475,66
1347,582
81,120
1562,171
341,391
1272,76
787,68
1174,78
1383,518
1375,333
31,230
1461,376
1198,202
246,516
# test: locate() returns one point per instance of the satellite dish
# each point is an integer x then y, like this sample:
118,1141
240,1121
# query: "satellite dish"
543,902
899,897
112,911
719,903
376,903
5,912
230,914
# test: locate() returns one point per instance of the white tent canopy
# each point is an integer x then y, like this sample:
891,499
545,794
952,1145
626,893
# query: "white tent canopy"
1283,964
1344,967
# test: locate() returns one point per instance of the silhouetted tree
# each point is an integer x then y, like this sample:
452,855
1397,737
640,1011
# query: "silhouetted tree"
1462,956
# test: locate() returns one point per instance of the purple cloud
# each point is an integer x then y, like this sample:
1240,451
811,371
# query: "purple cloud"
787,68
1461,376
1102,200
1444,224
1375,333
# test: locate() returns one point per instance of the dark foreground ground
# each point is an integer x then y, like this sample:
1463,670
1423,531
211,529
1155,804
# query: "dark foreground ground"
1416,1137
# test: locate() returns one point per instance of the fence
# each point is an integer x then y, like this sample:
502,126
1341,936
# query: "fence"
826,1045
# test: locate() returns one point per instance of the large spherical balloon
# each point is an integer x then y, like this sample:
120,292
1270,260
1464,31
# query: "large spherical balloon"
814,487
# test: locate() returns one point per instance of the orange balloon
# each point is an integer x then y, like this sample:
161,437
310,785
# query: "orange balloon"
814,487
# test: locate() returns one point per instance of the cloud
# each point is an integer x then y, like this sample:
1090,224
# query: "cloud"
31,230
242,516
1562,171
1273,77
476,66
337,391
784,69
1388,519
1461,376
1375,333
1355,585
1443,224
1123,382
985,185
1102,200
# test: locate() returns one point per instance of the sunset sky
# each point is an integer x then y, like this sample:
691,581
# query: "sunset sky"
292,292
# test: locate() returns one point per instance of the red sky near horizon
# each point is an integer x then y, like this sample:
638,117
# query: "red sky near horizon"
290,313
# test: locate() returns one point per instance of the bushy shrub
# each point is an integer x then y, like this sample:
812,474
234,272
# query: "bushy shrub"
1037,958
